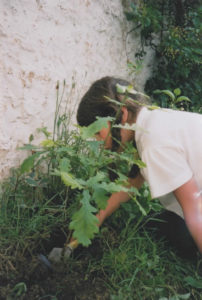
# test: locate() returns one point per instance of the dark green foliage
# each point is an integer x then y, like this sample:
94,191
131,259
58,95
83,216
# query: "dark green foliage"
173,30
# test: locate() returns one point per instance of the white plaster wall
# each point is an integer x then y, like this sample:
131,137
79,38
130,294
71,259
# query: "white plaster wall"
43,41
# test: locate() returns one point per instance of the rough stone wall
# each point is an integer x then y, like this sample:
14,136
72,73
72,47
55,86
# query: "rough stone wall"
45,41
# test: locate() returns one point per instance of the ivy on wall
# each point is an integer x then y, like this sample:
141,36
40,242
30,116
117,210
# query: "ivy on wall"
173,30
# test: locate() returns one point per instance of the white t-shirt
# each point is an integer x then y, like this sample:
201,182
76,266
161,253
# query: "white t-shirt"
170,144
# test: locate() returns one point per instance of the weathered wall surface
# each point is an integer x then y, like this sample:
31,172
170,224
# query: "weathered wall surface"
43,41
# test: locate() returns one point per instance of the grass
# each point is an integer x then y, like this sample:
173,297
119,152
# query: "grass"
142,268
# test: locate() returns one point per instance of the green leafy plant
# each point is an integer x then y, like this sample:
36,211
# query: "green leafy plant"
172,30
68,175
174,98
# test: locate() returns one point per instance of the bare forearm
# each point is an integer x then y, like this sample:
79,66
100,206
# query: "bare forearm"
195,228
113,204
190,199
197,235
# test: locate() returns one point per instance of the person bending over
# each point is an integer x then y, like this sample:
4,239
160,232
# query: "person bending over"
169,142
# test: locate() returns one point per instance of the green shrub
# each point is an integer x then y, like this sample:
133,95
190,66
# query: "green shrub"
172,29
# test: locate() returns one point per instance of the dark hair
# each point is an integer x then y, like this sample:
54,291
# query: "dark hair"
96,103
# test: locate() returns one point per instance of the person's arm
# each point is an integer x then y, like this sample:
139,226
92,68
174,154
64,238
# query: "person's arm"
190,199
117,198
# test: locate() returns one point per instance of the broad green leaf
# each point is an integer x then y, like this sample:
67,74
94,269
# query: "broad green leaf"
84,222
28,163
133,159
130,89
120,88
64,164
48,143
113,187
157,92
121,178
66,150
134,191
69,180
94,146
166,92
128,158
177,92
196,283
140,163
100,195
95,127
182,98
169,94
95,179
30,181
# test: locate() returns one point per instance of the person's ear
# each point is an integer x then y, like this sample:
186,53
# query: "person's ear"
124,115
